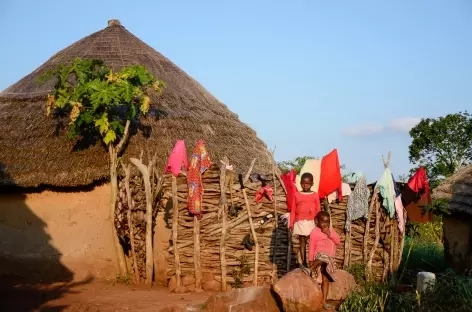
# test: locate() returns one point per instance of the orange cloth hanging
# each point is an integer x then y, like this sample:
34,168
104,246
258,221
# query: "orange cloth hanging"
199,163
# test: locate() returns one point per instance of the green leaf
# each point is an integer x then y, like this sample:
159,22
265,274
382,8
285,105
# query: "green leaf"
102,124
110,137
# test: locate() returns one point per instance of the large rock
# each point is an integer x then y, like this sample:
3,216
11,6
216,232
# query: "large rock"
345,283
298,292
188,280
253,299
212,286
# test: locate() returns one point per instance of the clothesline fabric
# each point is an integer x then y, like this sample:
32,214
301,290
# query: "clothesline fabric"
358,203
330,176
177,159
199,163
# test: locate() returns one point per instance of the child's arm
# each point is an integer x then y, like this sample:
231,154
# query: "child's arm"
293,212
314,237
334,236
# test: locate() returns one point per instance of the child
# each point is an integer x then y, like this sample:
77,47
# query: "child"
323,242
306,205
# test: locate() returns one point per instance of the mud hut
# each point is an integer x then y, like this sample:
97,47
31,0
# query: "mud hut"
58,179
457,226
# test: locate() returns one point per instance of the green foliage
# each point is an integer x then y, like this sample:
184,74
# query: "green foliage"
442,145
96,100
295,164
357,270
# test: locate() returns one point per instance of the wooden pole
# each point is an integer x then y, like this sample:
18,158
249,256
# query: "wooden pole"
253,231
402,241
276,219
147,187
127,170
223,207
367,225
347,249
196,251
175,225
377,237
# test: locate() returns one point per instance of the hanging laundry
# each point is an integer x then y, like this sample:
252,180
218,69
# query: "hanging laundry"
265,191
177,159
312,166
414,204
419,181
330,177
346,191
358,203
289,183
199,163
354,177
387,191
399,210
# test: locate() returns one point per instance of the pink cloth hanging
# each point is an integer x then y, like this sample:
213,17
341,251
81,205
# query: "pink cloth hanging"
399,210
177,158
289,183
265,191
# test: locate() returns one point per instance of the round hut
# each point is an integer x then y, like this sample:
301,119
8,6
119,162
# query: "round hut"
457,225
48,176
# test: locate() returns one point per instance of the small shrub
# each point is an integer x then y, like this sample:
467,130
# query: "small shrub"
357,270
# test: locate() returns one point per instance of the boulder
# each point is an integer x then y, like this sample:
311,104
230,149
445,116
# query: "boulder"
298,292
188,280
212,286
345,283
207,276
173,286
253,299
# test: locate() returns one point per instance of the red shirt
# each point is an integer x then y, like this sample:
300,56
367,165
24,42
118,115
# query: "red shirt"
320,242
305,207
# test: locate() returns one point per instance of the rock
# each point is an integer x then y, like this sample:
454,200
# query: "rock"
207,276
172,284
188,280
229,287
212,286
299,293
345,283
253,299
189,288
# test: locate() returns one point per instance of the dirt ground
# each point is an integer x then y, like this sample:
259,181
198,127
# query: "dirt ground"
92,297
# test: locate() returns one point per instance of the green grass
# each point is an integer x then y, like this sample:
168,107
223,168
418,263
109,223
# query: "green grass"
450,293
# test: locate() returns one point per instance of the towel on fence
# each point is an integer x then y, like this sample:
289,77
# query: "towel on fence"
358,203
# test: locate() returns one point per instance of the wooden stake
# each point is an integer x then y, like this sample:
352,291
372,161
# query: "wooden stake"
276,218
147,187
347,249
224,225
253,231
402,242
127,170
392,247
289,251
367,225
377,237
175,225
196,251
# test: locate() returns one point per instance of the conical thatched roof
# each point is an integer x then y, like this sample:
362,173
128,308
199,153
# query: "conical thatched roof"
458,190
35,151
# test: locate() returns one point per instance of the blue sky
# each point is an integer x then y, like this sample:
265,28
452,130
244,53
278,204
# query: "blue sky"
308,76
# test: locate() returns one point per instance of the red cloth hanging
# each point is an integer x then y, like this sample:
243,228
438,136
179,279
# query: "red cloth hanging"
289,183
330,177
419,181
265,191
199,163
177,158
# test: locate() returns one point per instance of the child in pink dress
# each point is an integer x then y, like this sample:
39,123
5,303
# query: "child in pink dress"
323,242
305,207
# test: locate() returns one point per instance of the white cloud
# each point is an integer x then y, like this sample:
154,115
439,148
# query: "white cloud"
402,125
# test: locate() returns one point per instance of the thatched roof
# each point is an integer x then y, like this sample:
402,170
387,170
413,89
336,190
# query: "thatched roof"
457,189
34,150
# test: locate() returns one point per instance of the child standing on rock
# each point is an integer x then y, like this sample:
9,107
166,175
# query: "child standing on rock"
306,206
323,243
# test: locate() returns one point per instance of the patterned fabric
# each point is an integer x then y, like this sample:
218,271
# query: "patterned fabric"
358,203
330,265
199,163
265,191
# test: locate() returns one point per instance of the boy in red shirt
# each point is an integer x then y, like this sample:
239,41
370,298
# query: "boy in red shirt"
323,242
306,205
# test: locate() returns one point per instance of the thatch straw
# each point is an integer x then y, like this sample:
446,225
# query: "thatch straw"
457,189
35,151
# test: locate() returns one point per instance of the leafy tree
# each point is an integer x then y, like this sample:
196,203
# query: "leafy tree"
298,163
442,145
102,105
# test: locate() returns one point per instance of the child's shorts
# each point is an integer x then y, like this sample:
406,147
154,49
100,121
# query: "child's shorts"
303,227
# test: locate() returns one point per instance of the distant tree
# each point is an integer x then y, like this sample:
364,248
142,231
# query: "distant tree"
298,163
402,178
442,145
102,104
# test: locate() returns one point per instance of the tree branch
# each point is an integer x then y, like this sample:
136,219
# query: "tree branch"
125,137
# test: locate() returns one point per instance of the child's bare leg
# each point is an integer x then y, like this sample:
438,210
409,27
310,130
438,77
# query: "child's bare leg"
302,240
324,283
